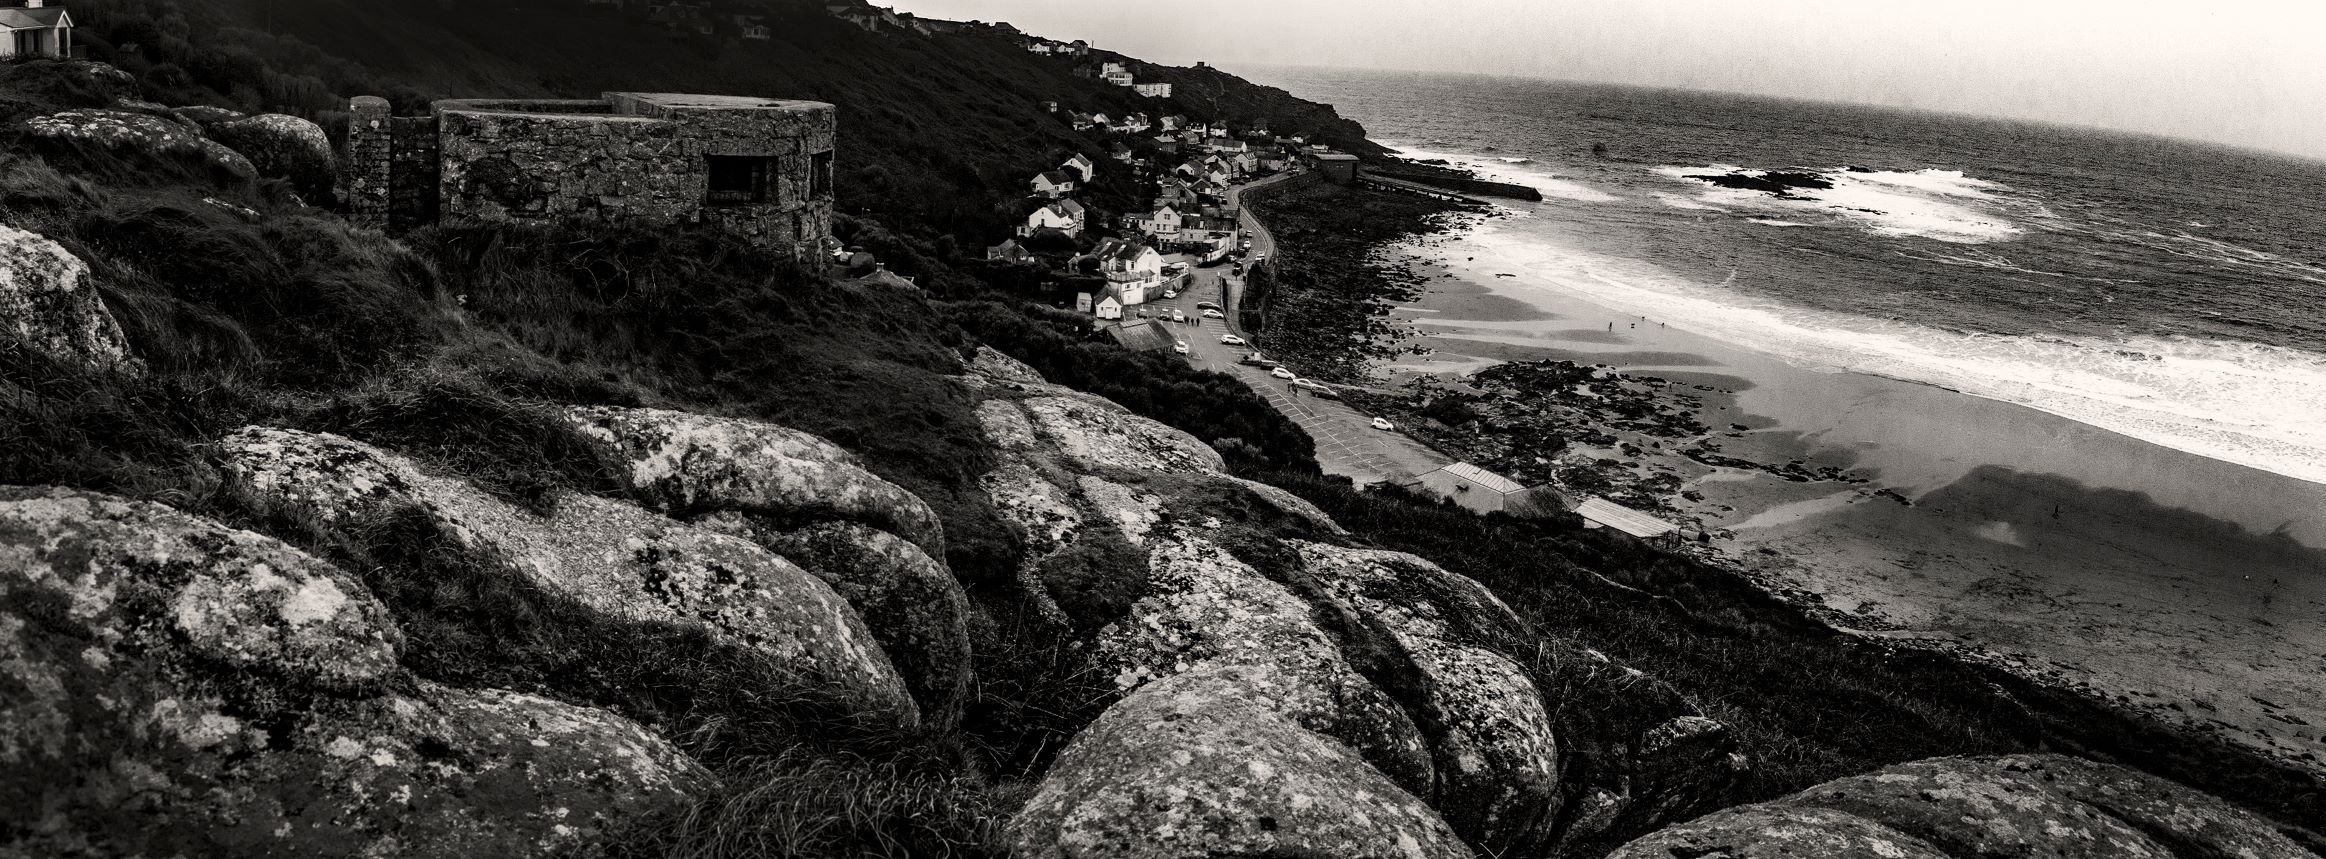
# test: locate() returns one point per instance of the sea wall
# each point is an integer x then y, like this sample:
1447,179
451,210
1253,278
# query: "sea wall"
1479,187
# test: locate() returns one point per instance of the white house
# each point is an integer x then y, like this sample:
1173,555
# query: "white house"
1109,304
36,29
1053,184
1113,69
1163,225
1064,216
1120,79
1153,90
1082,166
1100,120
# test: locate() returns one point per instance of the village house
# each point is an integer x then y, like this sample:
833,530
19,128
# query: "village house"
36,29
1338,167
1064,216
1113,68
1082,121
1122,79
1121,152
752,27
1101,120
1081,167
1476,489
1053,184
1041,47
1078,48
1009,251
1108,304
1172,122
1153,90
1162,225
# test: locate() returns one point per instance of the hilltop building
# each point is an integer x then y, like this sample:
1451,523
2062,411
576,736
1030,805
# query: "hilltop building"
36,29
758,168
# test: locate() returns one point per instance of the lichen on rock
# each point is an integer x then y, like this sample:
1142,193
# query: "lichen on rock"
1960,808
1497,757
693,464
284,146
912,604
48,303
127,131
1097,437
1205,607
611,557
213,691
1193,766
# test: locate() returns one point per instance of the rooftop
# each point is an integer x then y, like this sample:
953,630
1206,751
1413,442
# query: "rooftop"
1600,511
1489,480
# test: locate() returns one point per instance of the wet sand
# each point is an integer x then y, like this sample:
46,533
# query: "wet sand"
2189,588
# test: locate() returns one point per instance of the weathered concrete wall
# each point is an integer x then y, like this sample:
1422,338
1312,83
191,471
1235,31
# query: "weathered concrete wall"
642,159
637,158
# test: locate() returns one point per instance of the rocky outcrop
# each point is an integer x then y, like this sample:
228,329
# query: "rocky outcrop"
1207,608
48,304
1497,761
1194,766
808,500
912,604
140,134
214,692
692,464
610,557
1958,808
282,146
1245,601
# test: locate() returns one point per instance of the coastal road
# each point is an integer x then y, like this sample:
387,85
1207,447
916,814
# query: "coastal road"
1346,442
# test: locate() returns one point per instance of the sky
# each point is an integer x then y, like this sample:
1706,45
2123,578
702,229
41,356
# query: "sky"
2244,72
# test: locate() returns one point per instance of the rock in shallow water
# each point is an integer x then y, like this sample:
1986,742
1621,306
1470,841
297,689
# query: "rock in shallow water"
214,692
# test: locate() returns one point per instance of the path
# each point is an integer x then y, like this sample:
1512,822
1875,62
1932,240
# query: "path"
1346,442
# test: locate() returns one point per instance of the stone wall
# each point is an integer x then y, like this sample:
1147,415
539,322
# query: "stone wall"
370,148
415,172
633,158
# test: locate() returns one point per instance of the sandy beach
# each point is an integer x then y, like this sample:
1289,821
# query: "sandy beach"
2186,587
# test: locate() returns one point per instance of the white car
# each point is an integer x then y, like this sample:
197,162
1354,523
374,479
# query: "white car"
1231,339
1179,347
1312,384
1384,425
1282,373
1170,293
1177,316
1214,314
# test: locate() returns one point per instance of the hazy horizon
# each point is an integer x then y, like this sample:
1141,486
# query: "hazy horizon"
2244,72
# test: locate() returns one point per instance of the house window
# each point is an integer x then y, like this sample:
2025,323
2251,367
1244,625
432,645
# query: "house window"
820,175
739,180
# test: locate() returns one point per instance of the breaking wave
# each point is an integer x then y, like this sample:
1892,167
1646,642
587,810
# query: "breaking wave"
1944,205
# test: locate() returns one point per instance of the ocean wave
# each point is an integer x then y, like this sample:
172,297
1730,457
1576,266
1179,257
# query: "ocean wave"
2252,404
1772,222
1944,205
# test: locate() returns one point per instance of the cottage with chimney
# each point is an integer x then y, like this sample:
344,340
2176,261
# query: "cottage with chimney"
36,29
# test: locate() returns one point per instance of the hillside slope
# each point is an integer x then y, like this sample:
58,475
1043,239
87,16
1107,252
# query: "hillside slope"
935,131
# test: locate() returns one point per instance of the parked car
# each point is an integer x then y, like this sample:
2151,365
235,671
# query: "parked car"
1177,316
1207,305
1175,268
1313,386
1231,339
1179,347
1282,373
1384,425
1213,314
1170,293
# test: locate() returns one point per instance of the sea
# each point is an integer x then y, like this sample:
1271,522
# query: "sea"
2168,290
2079,376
